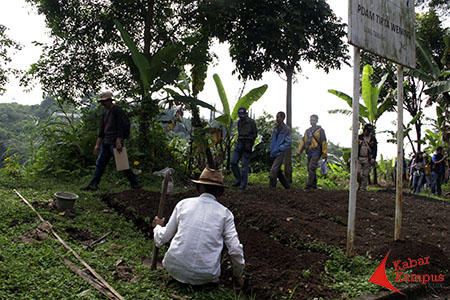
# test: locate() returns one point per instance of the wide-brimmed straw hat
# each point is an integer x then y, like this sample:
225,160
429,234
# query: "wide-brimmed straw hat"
211,177
105,96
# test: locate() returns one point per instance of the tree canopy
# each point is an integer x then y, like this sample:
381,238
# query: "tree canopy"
6,45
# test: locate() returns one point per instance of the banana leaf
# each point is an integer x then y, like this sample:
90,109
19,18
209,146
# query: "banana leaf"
194,101
138,58
425,59
222,96
348,99
248,99
439,88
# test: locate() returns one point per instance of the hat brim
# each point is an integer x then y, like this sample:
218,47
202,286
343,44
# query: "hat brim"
101,100
201,181
241,115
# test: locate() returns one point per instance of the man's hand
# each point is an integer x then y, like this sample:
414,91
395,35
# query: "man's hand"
372,161
96,149
238,282
158,221
119,145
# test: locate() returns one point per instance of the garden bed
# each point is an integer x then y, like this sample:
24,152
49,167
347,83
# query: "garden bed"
287,234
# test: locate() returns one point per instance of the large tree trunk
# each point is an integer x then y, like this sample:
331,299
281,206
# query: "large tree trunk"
288,160
148,22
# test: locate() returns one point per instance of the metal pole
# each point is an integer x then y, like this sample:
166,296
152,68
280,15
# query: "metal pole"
399,179
354,156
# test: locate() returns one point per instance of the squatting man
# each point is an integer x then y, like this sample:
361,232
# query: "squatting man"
198,228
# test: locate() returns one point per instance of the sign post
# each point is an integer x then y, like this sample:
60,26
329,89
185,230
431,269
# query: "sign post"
354,157
384,28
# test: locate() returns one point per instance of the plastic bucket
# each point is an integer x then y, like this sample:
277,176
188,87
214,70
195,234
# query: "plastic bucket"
65,200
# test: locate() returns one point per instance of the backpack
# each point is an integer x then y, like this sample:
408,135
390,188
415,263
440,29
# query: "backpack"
126,124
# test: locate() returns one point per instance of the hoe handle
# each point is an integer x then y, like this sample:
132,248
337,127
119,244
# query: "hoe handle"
162,203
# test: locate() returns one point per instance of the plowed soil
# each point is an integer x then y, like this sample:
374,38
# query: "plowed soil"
278,226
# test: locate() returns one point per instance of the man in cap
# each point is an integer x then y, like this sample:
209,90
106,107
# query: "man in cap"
198,228
367,153
247,133
315,143
110,136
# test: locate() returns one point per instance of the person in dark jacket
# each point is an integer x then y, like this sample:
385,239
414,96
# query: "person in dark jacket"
110,137
281,142
247,133
367,153
437,171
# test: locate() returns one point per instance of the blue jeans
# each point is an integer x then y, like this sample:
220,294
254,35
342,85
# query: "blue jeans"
106,152
238,154
418,181
436,182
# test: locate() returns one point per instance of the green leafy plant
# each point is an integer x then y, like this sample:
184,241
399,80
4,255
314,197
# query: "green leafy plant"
228,117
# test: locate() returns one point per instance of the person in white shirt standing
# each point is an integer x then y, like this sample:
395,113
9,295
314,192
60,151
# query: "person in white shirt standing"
198,228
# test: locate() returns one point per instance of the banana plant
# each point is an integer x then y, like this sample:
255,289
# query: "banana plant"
429,71
228,116
438,81
370,111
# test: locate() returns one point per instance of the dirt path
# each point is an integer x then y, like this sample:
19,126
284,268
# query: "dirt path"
278,227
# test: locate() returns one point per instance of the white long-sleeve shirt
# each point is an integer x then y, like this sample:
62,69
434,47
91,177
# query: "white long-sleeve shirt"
198,228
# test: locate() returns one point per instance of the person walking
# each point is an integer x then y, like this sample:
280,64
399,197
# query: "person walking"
314,141
428,165
418,168
247,133
367,153
110,137
281,142
437,171
198,228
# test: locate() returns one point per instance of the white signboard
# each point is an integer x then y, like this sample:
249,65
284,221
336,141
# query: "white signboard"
385,28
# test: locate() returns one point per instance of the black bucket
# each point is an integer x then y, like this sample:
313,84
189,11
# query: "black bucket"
65,200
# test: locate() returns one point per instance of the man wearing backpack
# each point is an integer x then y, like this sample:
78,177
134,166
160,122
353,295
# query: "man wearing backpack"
113,130
315,143
367,153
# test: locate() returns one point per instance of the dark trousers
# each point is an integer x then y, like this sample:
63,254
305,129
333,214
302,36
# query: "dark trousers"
238,154
276,173
313,162
436,182
106,152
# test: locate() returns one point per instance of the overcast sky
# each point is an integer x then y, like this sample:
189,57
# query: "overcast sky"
309,92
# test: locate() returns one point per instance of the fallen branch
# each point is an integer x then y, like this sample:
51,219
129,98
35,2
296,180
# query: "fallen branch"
92,281
67,247
99,240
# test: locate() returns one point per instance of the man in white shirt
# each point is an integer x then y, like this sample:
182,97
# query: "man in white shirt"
198,228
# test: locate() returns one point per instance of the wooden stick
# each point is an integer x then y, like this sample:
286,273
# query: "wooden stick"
72,251
92,281
162,203
99,240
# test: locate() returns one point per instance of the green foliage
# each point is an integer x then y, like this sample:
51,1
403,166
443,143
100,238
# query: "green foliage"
351,275
34,269
15,122
6,45
372,110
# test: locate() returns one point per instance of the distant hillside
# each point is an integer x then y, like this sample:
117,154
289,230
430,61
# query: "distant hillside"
15,119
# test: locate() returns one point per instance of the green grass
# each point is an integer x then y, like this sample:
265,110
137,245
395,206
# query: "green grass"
36,270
